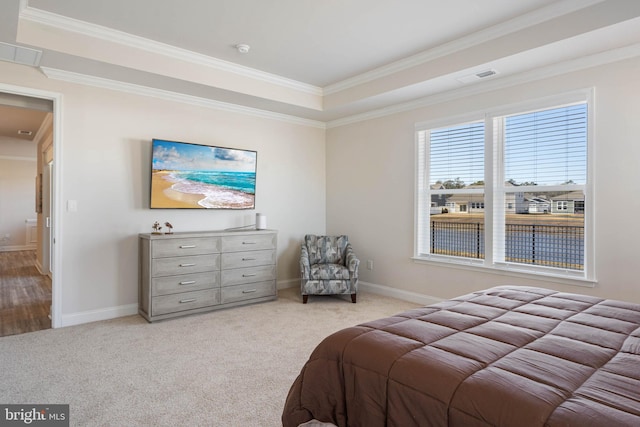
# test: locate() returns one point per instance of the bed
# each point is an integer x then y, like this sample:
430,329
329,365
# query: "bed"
506,356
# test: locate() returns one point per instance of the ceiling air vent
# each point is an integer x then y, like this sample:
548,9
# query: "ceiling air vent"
484,74
25,132
19,54
477,76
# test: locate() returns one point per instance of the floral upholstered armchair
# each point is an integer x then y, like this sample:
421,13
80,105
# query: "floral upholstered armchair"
328,266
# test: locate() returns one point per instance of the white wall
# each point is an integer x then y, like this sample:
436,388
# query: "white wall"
370,187
105,159
17,191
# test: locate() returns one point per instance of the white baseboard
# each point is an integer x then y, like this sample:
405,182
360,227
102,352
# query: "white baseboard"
17,248
399,293
100,314
289,283
377,289
39,268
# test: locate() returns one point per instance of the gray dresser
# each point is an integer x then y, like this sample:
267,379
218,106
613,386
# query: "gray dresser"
193,272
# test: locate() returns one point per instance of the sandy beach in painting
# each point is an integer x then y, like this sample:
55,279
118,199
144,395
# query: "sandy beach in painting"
171,192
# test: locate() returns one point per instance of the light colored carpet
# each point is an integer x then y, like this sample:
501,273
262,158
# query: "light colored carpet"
226,368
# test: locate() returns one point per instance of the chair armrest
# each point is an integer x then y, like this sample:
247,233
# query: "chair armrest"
305,266
351,261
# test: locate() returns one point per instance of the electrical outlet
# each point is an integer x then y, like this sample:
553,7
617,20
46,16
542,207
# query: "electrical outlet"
370,264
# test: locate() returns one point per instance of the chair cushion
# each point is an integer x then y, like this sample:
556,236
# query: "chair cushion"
326,249
328,287
329,272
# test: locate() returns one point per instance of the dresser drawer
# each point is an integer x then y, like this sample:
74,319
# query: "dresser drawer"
253,242
247,259
185,265
238,276
184,301
184,246
184,283
248,291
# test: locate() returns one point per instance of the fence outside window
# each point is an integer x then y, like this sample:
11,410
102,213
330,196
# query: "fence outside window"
560,246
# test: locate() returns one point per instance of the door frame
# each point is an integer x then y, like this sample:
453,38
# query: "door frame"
57,192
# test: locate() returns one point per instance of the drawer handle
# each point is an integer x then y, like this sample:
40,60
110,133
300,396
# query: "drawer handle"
187,265
187,282
187,246
249,275
248,243
182,301
248,259
249,291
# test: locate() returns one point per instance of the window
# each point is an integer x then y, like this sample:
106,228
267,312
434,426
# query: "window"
523,175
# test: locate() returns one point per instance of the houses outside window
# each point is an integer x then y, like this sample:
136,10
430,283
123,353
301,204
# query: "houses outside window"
534,161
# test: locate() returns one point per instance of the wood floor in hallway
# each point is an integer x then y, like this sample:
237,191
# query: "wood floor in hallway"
25,294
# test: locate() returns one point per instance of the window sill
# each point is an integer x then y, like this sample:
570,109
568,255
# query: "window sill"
507,270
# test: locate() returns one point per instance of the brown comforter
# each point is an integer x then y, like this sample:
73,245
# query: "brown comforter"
507,356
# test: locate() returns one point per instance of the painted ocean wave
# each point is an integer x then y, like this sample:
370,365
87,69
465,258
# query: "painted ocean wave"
220,190
238,181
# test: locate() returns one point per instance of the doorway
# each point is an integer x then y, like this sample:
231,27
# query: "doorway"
29,274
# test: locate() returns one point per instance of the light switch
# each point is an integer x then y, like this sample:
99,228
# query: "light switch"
72,206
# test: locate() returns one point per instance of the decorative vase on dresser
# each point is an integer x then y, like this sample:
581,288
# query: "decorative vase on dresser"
194,272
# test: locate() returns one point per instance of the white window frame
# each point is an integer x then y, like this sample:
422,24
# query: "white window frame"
494,195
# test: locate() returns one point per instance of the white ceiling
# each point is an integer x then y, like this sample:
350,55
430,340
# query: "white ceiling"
318,60
20,123
318,42
21,117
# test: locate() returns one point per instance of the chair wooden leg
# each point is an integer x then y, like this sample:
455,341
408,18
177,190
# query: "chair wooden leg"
353,298
305,298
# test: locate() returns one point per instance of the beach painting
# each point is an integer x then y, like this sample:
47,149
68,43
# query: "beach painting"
194,176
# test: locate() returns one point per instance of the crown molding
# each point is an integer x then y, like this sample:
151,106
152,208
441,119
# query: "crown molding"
119,37
538,16
578,64
479,88
84,79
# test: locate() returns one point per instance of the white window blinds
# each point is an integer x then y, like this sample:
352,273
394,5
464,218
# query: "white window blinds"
547,147
457,155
